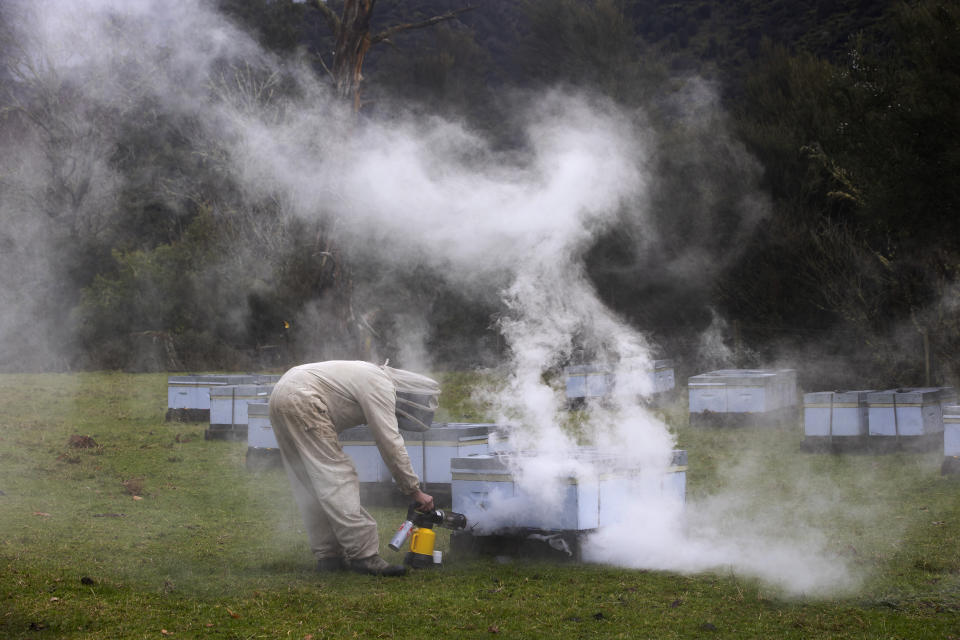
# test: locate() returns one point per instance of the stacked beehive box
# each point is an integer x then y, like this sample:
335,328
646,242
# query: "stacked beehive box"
911,417
951,439
486,491
664,378
228,409
586,382
262,449
359,444
188,397
743,396
835,419
430,454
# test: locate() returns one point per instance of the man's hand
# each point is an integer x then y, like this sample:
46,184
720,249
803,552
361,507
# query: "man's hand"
424,501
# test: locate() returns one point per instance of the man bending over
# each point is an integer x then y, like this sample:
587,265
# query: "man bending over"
309,406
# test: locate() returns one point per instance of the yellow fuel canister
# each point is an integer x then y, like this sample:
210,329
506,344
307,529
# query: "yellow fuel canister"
421,547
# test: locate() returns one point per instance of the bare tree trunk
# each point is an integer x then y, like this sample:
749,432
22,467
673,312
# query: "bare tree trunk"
353,42
353,39
352,31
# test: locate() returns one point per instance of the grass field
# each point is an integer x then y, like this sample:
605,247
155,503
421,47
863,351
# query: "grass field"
155,532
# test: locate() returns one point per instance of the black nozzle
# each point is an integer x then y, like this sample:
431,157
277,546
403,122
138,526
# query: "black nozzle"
427,519
453,520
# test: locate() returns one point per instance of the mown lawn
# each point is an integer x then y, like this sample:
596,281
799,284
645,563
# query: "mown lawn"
155,532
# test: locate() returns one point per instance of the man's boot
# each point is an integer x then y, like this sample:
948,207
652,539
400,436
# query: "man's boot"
331,565
377,566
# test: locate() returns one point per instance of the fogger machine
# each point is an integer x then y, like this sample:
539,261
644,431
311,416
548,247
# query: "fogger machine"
421,524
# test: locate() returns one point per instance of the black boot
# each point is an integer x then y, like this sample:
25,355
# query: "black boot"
377,566
332,564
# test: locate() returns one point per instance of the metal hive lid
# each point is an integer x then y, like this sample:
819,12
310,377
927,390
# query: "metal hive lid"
242,390
746,377
576,369
913,395
198,380
951,411
836,397
602,461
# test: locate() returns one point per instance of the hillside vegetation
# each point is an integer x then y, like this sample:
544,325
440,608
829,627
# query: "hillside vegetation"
802,200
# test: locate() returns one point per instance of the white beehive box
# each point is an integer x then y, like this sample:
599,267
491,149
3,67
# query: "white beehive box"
188,397
358,443
742,391
474,437
430,452
192,392
787,387
259,430
664,379
827,414
587,381
262,449
951,430
597,380
486,492
228,404
908,412
228,409
659,373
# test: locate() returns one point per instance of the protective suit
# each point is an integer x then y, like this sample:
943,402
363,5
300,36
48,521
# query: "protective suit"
309,406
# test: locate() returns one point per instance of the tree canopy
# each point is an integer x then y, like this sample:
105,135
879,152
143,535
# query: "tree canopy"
801,166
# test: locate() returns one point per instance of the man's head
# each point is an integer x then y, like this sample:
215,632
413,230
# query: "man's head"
417,399
415,411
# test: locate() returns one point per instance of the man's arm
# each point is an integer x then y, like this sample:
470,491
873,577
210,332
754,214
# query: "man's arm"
379,406
423,500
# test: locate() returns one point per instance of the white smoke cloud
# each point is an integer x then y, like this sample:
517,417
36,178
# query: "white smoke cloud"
735,529
713,349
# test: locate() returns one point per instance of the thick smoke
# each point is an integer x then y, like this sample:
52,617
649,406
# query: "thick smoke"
406,193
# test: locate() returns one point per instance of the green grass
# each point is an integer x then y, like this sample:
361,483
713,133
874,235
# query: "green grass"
212,550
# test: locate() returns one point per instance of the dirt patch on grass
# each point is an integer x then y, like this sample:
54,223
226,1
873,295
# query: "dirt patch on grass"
82,442
133,486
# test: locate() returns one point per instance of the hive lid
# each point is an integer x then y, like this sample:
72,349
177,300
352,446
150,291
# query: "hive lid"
600,460
836,397
580,369
951,411
452,431
242,390
200,381
913,395
628,364
744,377
443,431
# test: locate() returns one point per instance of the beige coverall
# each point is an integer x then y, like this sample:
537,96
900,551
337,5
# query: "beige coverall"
309,406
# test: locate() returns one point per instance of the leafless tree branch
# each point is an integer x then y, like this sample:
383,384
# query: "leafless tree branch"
332,19
325,67
386,34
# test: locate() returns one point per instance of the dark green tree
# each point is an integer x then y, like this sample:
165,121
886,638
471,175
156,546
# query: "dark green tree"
858,157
